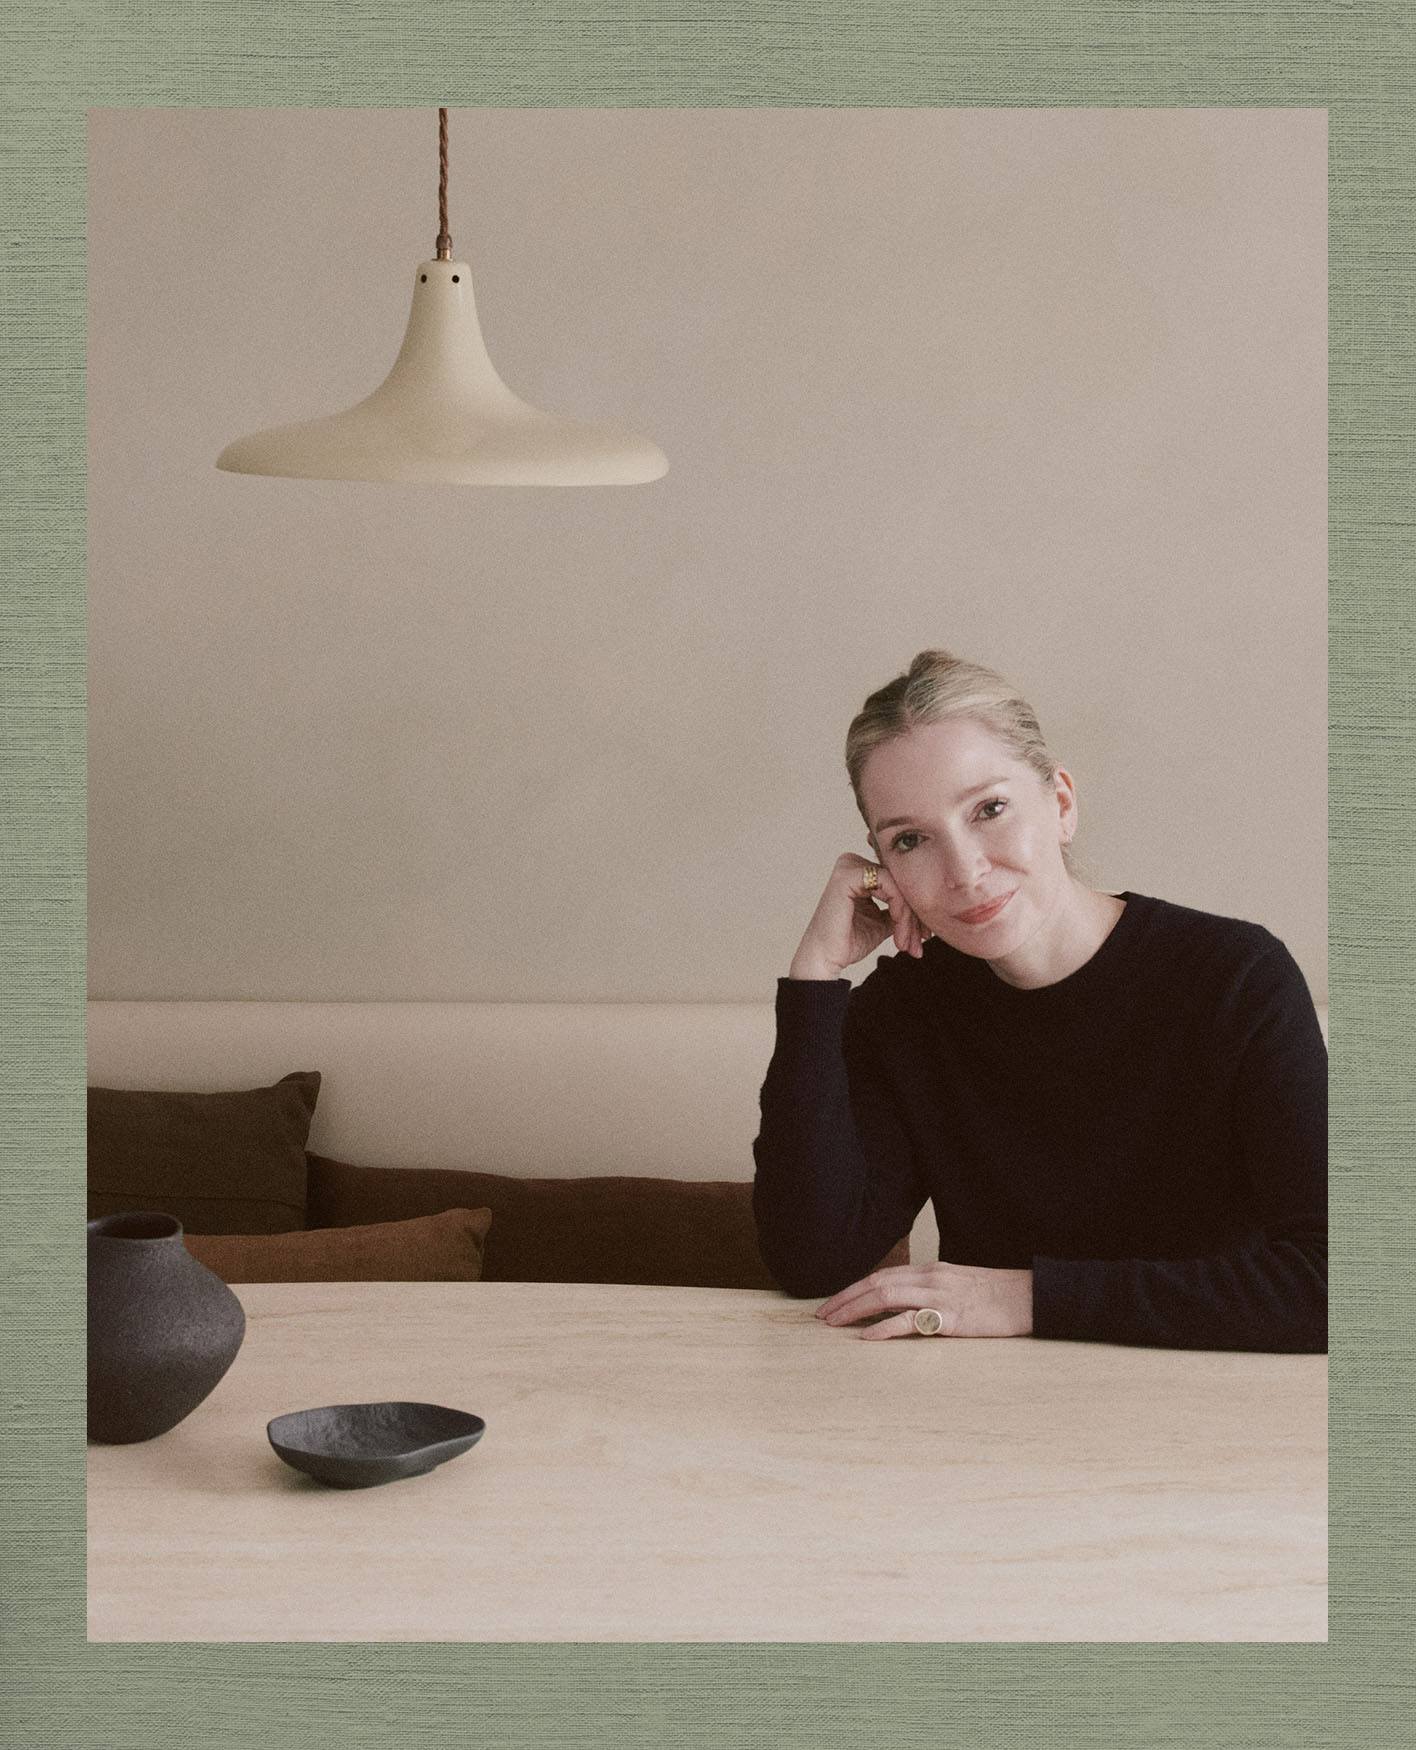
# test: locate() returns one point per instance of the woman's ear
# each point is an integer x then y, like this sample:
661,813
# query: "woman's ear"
1066,803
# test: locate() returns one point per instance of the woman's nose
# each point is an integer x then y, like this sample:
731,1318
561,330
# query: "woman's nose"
962,864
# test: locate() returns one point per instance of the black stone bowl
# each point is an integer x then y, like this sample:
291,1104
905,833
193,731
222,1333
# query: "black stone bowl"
355,1446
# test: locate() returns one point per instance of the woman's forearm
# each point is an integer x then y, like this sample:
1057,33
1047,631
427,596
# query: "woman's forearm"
834,1188
1269,1295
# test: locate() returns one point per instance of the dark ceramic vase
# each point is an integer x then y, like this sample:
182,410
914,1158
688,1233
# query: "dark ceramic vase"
162,1329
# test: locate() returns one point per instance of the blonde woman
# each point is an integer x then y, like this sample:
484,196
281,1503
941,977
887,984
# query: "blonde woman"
1116,1104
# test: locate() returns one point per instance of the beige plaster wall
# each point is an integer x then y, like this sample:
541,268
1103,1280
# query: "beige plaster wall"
1048,387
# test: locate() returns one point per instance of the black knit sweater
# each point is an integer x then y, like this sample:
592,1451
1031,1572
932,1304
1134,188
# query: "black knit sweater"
1148,1135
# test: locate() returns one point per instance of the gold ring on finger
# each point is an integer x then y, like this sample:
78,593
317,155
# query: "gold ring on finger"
870,880
928,1322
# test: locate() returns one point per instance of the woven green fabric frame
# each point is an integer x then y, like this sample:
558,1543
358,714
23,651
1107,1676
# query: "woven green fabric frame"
1353,59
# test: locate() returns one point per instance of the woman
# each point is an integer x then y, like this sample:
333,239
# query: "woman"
1117,1105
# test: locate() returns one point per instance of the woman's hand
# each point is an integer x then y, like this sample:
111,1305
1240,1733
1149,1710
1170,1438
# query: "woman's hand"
972,1301
848,924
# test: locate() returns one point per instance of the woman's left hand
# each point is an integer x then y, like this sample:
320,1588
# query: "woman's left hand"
972,1301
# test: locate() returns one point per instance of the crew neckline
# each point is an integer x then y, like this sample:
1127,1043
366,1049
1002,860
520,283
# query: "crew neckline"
1081,978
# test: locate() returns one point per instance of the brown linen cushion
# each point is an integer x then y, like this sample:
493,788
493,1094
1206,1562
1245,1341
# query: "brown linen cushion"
681,1233
221,1163
434,1248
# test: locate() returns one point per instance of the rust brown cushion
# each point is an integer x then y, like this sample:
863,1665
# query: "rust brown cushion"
433,1248
221,1163
683,1233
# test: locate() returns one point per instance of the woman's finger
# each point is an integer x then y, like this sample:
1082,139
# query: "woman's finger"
871,899
888,888
861,885
902,1325
848,1293
896,908
899,1286
901,919
905,927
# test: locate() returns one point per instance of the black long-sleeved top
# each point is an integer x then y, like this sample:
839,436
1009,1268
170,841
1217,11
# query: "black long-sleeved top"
1148,1135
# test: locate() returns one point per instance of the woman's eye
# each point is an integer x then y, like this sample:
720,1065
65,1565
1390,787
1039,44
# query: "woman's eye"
905,841
997,802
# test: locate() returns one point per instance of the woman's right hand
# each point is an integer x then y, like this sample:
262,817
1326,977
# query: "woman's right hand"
848,924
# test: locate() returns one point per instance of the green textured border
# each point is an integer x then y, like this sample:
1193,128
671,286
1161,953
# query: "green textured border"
1353,59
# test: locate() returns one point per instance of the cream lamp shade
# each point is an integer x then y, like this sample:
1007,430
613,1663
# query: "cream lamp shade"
443,414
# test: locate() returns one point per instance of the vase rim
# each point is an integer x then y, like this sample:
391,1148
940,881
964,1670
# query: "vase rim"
150,1225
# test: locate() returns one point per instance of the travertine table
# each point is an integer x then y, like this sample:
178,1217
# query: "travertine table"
669,1464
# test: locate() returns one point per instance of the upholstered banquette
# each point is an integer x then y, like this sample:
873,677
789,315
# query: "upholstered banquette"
609,1142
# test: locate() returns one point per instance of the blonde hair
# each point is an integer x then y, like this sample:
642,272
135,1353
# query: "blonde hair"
939,686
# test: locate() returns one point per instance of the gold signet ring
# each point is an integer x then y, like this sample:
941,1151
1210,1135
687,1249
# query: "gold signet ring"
928,1322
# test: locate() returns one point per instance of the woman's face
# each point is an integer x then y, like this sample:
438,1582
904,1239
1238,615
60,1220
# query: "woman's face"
962,823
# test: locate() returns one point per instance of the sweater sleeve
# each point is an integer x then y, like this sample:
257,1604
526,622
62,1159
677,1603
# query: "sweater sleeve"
1270,1291
836,1184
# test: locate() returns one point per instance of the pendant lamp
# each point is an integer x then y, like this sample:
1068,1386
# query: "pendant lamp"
443,414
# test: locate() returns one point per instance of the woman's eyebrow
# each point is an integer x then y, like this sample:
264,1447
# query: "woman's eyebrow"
904,819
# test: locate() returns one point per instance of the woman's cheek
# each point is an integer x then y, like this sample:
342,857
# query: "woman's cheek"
915,890
1017,846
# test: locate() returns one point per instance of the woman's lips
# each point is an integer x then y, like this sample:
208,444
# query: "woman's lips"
982,914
